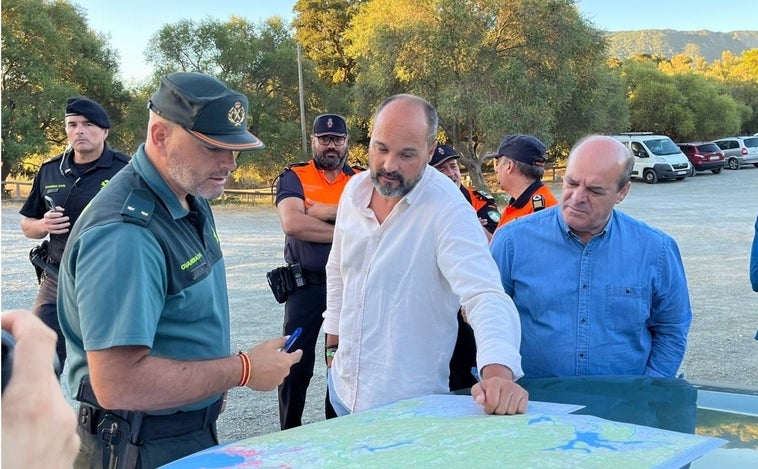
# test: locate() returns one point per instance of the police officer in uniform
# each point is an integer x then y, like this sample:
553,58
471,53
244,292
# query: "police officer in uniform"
70,180
147,324
306,199
520,167
464,353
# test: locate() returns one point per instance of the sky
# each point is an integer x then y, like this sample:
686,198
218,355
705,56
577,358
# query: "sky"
129,24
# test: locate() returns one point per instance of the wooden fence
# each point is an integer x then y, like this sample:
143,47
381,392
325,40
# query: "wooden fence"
17,190
12,190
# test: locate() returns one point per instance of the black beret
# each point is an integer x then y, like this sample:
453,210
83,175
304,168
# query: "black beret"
79,106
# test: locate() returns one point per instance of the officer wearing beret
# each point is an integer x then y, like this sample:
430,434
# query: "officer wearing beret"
147,325
306,199
520,167
70,180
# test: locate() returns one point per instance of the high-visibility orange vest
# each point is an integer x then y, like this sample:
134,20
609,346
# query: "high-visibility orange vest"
484,205
540,199
316,187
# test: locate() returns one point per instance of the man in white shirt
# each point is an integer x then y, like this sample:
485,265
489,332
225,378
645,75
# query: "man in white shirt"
407,251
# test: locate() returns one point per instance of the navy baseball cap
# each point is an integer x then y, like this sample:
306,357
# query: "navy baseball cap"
79,106
329,124
207,108
443,153
524,148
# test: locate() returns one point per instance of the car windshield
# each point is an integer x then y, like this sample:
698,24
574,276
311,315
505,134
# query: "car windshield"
751,142
662,146
708,148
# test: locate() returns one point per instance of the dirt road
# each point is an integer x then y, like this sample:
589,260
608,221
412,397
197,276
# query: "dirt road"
710,216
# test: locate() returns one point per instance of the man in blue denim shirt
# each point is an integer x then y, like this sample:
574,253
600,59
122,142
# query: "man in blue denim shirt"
598,292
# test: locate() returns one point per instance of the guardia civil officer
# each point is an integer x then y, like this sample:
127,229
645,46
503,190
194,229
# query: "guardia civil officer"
444,160
147,325
70,180
519,168
306,199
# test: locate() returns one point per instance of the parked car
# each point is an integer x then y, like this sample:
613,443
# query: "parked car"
704,156
739,151
656,157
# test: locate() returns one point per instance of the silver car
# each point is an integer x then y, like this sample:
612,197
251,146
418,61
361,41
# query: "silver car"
739,151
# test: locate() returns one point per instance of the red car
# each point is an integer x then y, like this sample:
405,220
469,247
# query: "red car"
704,156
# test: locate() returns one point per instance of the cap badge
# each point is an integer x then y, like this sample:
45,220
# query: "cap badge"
236,114
329,123
440,150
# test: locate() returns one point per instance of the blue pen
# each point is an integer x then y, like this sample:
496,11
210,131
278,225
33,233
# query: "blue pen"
291,340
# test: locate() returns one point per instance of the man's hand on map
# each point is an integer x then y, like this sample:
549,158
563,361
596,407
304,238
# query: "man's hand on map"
270,365
497,392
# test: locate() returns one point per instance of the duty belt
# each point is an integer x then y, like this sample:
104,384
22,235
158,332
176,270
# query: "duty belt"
314,278
155,427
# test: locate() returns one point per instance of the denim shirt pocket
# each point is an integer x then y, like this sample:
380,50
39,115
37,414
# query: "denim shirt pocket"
627,308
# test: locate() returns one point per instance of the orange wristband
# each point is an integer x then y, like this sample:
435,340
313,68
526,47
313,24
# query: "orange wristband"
247,369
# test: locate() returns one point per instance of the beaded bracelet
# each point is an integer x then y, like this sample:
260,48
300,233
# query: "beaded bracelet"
247,369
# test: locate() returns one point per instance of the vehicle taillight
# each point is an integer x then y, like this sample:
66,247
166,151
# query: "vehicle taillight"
744,151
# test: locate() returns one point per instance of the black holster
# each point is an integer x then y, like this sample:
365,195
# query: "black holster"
118,430
39,257
285,280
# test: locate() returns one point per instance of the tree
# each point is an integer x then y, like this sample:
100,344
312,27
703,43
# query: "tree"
740,76
38,77
678,102
656,104
486,70
319,27
258,60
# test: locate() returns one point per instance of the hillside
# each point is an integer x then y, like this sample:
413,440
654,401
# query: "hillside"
668,42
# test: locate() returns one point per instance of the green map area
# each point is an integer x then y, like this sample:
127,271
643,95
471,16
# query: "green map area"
448,430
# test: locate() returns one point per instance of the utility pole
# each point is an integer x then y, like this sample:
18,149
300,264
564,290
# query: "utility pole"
302,102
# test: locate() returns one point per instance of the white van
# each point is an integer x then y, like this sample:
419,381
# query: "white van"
656,157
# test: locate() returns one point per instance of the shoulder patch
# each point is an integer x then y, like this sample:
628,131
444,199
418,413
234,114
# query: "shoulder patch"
538,203
138,208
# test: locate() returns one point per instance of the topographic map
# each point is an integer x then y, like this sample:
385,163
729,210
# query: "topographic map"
452,431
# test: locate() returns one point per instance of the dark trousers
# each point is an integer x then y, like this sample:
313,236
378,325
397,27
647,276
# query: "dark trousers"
303,309
46,308
464,357
152,453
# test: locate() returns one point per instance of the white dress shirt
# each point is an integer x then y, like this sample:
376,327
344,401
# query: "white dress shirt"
393,292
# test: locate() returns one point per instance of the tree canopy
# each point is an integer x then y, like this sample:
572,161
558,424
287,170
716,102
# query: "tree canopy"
487,71
50,54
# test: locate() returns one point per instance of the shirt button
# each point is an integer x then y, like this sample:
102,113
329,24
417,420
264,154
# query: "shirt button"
581,355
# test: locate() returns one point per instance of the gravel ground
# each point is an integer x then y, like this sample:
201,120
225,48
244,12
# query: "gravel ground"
710,216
